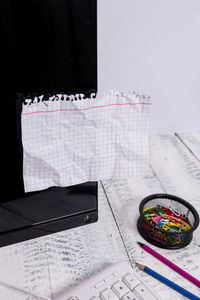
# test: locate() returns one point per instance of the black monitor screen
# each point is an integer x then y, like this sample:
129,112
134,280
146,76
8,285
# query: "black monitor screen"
55,45
48,46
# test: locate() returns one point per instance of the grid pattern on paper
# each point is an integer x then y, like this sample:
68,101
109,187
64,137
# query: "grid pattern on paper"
70,142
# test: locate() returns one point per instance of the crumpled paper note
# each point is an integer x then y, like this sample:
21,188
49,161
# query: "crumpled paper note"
71,139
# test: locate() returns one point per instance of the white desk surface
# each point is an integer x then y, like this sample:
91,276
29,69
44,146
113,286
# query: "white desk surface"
53,263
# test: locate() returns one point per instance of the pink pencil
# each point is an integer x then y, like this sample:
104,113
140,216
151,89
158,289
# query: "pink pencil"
170,264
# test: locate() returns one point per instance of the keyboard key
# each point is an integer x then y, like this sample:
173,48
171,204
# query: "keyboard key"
108,278
95,298
108,295
131,281
130,296
143,293
120,289
73,298
99,284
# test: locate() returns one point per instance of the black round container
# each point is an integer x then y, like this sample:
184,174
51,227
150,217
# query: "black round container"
160,237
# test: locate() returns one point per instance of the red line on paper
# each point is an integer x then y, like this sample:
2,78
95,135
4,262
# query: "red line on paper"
80,109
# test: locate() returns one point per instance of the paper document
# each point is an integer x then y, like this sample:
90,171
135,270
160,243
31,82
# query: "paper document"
71,139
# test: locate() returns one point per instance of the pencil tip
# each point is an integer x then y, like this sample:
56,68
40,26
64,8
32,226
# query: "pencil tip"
140,244
141,267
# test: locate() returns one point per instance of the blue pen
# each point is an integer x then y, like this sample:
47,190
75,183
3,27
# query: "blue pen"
168,282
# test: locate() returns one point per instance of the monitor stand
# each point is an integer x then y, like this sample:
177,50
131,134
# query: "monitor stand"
46,212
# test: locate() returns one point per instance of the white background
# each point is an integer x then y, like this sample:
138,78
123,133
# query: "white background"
153,46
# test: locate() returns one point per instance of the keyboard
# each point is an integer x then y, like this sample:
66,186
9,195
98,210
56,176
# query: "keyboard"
118,282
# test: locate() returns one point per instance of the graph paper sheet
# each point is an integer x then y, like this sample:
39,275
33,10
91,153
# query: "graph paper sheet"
71,140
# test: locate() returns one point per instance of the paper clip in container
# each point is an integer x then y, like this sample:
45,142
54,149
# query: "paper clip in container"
167,221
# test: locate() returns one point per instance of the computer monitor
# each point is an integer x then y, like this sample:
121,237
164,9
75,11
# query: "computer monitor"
48,47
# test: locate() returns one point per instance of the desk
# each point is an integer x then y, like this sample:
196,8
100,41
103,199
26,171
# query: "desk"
53,263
